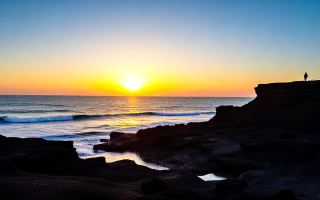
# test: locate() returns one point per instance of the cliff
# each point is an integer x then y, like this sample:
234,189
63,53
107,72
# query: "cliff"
282,95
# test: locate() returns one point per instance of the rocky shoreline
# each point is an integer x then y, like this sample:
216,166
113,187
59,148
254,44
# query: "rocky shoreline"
270,149
272,142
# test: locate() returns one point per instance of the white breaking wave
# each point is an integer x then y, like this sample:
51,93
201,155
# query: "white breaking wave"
36,119
82,117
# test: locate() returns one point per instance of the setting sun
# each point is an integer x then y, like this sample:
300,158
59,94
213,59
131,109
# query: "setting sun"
132,83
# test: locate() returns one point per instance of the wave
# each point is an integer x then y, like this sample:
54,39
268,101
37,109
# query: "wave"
142,113
6,119
31,111
34,104
75,135
181,114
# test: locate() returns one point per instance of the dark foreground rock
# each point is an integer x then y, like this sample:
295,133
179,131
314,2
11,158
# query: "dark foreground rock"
273,142
153,186
284,194
231,184
39,169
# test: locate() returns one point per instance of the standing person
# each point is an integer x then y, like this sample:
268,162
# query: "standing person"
305,76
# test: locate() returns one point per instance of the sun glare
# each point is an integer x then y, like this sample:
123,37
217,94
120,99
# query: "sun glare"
132,84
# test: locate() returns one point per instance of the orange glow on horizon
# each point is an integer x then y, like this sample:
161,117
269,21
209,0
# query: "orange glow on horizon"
155,48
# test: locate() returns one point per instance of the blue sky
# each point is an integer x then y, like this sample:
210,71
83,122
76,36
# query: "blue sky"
265,40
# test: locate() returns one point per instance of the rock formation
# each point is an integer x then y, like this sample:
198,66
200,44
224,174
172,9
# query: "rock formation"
273,142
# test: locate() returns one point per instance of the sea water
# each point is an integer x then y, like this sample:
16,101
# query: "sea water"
87,119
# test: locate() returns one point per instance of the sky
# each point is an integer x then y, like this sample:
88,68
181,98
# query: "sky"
172,48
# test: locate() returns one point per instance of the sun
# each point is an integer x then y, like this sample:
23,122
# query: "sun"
132,83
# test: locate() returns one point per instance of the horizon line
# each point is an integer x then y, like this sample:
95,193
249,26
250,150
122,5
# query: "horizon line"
124,96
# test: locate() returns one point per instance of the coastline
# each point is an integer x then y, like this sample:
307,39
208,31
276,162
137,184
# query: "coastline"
271,145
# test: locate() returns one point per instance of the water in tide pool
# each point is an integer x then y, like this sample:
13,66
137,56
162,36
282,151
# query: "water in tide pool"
85,120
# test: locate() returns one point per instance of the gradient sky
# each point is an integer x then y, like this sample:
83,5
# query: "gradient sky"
177,48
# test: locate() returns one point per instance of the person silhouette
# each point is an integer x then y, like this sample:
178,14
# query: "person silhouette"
305,76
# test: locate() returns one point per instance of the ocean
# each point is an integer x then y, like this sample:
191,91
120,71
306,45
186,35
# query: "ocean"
87,119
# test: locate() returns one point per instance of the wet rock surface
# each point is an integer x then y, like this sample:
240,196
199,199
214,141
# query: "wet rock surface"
273,142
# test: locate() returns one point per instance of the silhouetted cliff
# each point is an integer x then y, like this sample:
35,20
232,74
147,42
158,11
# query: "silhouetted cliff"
287,94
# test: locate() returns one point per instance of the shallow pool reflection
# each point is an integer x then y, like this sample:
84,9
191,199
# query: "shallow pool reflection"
113,157
211,177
